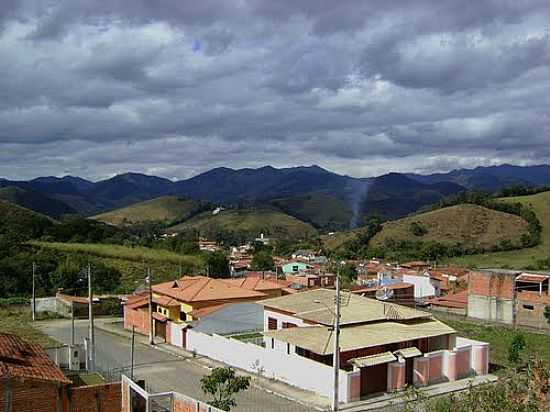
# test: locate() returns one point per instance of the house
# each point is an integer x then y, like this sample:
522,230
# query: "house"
418,265
509,296
455,303
303,254
179,301
311,280
31,381
271,288
425,286
401,293
208,245
382,346
294,267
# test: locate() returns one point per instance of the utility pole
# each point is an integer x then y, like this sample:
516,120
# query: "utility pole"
336,354
151,332
33,291
132,353
72,323
91,319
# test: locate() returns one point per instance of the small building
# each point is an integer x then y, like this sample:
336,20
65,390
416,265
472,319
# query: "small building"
184,300
304,254
425,286
310,280
294,267
455,303
401,293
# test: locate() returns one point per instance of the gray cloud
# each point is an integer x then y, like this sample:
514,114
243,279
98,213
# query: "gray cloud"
100,87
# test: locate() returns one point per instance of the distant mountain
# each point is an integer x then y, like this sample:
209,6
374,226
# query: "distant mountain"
35,201
491,178
395,195
302,192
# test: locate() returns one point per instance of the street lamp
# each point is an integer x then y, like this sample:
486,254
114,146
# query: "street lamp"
336,328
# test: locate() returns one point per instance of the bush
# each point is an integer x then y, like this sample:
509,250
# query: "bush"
417,229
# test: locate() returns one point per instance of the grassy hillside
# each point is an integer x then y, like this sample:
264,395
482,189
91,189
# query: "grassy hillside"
252,221
132,261
20,223
321,210
162,209
519,258
470,225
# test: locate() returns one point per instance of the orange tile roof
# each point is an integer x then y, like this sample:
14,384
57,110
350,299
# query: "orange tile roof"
26,360
70,298
455,300
159,316
254,283
533,278
200,313
201,289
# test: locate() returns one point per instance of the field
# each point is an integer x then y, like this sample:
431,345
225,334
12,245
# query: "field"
18,321
500,337
162,209
518,259
132,261
470,225
252,221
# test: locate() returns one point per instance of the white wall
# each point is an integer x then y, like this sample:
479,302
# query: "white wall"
423,286
292,369
282,318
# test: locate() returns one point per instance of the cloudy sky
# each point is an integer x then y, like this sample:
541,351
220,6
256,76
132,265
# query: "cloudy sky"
173,88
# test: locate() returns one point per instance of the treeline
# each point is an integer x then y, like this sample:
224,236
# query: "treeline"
519,190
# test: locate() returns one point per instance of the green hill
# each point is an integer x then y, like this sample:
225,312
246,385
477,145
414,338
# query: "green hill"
36,201
18,223
469,225
321,210
250,221
162,209
519,259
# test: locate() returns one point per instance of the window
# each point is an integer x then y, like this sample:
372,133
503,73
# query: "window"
271,324
183,316
272,343
295,268
288,348
528,307
288,325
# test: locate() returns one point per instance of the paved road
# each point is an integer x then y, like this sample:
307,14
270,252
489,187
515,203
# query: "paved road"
162,371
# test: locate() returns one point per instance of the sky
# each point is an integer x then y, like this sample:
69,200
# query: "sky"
98,87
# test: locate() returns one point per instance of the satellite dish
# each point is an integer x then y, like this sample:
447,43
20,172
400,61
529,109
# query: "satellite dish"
384,294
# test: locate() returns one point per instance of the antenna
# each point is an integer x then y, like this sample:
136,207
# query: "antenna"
384,294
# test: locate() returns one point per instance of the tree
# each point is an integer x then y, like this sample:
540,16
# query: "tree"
516,346
262,261
222,384
547,313
217,265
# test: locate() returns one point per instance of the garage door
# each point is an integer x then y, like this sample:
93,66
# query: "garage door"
374,379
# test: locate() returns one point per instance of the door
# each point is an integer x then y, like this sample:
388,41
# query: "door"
160,329
374,379
409,371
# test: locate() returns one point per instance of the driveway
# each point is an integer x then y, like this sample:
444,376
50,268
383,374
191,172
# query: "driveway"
162,371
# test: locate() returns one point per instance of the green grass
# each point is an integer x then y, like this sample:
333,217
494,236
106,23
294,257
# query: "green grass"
18,321
518,259
500,337
162,209
132,261
253,221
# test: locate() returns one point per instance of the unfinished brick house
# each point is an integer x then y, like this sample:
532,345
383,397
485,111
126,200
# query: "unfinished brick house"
508,296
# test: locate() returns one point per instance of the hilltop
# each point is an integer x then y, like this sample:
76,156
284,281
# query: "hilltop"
469,225
519,259
162,209
249,221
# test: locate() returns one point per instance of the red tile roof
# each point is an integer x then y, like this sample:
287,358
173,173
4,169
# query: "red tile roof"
532,278
28,361
201,289
254,283
200,313
70,298
455,300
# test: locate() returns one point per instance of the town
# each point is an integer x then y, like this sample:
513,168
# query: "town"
274,206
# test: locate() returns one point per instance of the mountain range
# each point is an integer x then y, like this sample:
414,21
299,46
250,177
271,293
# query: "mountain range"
304,192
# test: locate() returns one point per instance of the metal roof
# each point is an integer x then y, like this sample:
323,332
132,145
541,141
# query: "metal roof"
319,339
373,360
313,306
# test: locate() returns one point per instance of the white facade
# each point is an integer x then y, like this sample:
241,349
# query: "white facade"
424,286
281,318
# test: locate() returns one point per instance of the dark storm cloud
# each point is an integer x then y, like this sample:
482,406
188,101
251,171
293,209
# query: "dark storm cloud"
363,87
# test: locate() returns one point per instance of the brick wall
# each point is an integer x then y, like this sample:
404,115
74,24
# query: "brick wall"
96,398
29,395
491,284
138,318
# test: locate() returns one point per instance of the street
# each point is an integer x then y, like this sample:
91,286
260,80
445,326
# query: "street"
161,371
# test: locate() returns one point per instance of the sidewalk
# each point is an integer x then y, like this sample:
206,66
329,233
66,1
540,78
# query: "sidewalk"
300,396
